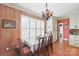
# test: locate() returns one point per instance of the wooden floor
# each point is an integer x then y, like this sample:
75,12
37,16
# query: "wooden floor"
64,49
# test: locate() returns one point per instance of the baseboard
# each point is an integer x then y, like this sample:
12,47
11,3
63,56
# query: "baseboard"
65,38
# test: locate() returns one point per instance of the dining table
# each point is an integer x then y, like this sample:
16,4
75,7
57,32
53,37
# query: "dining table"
33,44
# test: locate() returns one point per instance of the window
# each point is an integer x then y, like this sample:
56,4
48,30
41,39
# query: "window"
38,24
32,23
49,25
24,22
42,27
31,28
25,34
25,28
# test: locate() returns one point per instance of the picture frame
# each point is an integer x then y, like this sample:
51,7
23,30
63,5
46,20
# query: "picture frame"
8,24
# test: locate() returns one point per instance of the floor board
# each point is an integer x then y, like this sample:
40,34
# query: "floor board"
64,49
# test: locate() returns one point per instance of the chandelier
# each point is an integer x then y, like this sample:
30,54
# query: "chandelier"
47,14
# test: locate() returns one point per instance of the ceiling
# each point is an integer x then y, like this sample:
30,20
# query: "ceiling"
59,9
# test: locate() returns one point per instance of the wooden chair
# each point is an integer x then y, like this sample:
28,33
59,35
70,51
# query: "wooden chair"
25,51
50,42
22,49
49,45
41,47
17,47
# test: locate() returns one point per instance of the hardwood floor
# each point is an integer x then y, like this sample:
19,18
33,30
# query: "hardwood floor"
63,49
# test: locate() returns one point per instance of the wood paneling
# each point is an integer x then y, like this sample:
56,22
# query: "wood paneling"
4,38
0,24
0,30
16,32
9,37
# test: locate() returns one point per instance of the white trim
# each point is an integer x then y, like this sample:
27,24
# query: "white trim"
65,39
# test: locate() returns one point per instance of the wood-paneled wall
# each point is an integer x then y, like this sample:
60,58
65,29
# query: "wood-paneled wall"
9,37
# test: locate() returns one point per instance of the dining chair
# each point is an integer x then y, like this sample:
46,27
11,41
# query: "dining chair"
25,51
41,47
49,46
21,49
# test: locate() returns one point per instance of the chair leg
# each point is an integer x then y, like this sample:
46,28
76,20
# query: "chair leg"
44,52
47,50
52,47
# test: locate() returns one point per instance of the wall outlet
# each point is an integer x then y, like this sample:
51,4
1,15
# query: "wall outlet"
7,48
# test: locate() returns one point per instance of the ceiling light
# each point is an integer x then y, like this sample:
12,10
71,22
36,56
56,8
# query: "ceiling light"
47,13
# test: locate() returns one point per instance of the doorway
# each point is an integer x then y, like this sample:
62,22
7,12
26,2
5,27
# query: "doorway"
60,32
63,31
63,34
63,27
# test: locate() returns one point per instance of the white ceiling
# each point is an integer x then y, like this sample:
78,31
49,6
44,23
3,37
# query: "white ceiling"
59,9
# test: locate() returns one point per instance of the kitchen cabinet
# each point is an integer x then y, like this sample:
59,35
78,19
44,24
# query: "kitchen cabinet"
71,40
74,24
74,40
